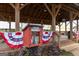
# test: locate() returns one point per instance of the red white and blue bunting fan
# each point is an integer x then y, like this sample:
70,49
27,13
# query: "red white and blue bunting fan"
13,39
46,36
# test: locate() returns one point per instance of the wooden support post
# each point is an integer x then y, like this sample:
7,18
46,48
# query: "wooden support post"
53,28
59,28
17,19
53,23
9,23
72,17
17,16
71,34
53,18
59,33
53,13
17,8
65,28
77,24
21,26
23,6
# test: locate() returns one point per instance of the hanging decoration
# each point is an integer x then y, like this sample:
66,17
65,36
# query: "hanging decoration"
13,39
46,36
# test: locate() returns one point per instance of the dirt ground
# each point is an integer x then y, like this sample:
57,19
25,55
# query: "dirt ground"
70,46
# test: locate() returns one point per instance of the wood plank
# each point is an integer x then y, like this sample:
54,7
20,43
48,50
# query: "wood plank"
69,9
9,23
53,19
48,9
77,25
24,6
40,12
12,5
71,18
74,16
65,28
17,17
58,9
59,28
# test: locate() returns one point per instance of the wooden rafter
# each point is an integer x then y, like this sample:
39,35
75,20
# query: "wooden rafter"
33,19
37,12
3,18
23,13
32,11
71,9
48,9
55,12
74,16
53,9
23,6
43,16
12,5
58,9
68,8
41,12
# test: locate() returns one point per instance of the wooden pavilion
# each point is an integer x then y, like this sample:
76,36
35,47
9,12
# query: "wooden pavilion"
39,13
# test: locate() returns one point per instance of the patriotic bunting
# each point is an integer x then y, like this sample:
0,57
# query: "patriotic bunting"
46,36
13,39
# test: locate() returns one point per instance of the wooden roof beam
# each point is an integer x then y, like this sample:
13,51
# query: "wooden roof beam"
56,11
23,6
32,11
20,7
67,8
12,5
39,11
59,6
48,9
74,16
